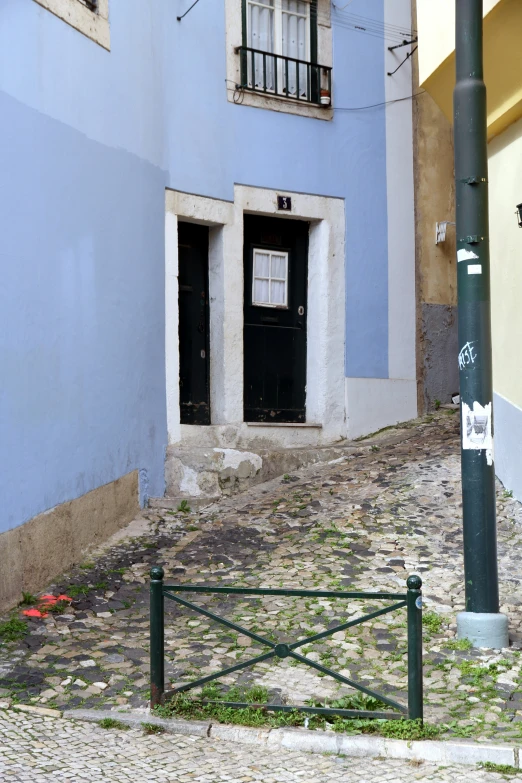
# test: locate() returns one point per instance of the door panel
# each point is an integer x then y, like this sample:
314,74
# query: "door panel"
194,364
275,260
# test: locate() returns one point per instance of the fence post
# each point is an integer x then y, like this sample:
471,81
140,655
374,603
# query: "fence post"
415,707
157,641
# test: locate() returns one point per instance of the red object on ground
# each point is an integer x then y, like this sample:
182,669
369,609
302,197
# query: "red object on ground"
43,602
34,613
47,599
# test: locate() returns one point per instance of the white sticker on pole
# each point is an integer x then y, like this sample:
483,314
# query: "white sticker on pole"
466,255
476,429
475,269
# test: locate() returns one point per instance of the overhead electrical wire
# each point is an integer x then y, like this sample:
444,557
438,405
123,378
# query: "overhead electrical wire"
386,25
373,33
373,29
366,25
337,10
382,103
240,91
355,22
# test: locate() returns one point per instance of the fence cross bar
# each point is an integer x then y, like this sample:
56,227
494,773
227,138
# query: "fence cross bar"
222,673
221,620
347,681
343,626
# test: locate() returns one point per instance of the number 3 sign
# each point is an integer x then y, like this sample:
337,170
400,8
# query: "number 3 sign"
284,202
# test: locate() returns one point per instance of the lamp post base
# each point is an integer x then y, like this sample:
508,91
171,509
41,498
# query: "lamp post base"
483,630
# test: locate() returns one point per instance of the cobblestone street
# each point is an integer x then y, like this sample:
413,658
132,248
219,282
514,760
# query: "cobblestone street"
46,750
389,507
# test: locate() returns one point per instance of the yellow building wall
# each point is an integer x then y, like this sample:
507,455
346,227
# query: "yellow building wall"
502,57
436,27
505,176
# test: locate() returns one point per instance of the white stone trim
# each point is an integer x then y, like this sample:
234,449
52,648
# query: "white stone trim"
374,403
234,38
172,326
93,24
325,323
401,208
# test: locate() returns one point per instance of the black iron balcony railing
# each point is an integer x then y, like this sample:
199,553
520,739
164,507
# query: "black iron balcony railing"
275,74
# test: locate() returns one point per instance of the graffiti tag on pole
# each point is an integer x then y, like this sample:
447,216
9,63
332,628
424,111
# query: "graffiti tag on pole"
467,355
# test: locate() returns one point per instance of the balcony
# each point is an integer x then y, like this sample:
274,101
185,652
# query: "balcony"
285,77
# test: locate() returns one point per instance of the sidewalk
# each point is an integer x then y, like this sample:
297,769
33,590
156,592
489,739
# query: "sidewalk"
46,750
364,523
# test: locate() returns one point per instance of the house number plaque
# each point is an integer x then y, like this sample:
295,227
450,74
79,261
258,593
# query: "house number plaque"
284,203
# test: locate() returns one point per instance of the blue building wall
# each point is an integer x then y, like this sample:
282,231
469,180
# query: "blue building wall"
82,398
345,157
89,140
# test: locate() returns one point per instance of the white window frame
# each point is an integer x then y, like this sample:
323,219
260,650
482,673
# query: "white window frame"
259,99
282,254
93,24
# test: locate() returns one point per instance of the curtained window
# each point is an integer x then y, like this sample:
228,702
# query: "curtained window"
279,27
270,278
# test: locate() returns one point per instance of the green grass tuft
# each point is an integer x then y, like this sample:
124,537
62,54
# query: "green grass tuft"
256,715
13,630
112,723
432,622
458,644
74,591
28,599
152,728
503,769
58,608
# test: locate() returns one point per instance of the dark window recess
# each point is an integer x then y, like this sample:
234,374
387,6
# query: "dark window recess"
194,364
92,5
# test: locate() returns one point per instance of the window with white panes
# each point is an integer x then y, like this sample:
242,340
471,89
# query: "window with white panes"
270,278
279,27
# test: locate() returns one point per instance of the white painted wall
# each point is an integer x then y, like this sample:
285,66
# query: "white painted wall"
401,205
172,325
373,403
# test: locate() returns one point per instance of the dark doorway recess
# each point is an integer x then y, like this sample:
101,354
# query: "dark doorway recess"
276,261
194,359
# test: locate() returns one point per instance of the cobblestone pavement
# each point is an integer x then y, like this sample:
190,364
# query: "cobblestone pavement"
47,750
389,507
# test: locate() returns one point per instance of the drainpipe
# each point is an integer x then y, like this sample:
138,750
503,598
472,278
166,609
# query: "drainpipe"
481,622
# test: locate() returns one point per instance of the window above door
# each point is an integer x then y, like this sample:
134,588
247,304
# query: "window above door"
279,55
269,278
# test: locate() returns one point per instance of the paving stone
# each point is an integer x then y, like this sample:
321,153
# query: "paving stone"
44,749
370,520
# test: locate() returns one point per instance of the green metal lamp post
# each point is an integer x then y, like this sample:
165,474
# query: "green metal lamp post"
481,622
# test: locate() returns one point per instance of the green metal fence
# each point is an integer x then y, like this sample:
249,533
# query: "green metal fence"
411,599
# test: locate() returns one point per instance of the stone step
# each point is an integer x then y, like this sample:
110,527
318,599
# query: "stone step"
208,473
173,503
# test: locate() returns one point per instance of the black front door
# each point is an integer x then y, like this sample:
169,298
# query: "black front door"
194,389
275,259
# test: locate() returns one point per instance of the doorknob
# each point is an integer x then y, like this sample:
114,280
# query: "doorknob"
300,310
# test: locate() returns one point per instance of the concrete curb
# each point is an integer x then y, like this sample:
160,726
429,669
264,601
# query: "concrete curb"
304,740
